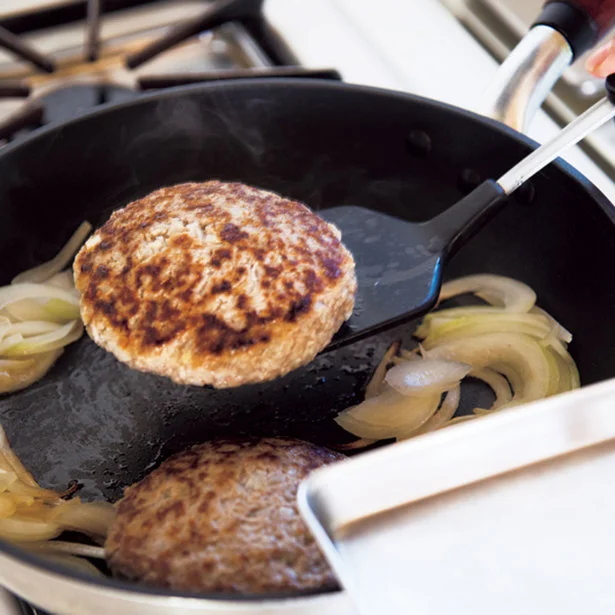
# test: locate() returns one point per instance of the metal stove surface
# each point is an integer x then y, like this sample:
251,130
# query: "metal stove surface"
76,85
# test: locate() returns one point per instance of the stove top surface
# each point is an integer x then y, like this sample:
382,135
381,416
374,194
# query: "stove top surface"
93,58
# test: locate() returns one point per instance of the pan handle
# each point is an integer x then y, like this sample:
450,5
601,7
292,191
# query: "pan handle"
564,30
581,22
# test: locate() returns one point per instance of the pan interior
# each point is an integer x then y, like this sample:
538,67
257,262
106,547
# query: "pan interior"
95,420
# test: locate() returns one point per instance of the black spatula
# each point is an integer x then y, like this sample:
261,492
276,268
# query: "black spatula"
399,263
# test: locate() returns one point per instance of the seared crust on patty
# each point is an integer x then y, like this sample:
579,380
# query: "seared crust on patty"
222,517
215,283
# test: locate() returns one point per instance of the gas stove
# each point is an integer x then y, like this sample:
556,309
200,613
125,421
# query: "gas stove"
60,59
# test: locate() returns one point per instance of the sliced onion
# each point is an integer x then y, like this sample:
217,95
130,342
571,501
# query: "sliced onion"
46,342
9,342
384,416
27,531
500,291
17,292
555,380
68,548
32,327
64,279
39,315
498,384
43,272
7,506
27,494
444,414
11,463
15,365
560,332
575,378
460,419
450,315
518,357
61,311
5,326
92,518
513,346
70,561
27,309
568,372
52,310
441,332
17,380
7,478
31,516
410,355
426,377
374,386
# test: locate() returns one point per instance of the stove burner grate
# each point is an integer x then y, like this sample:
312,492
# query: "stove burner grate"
68,101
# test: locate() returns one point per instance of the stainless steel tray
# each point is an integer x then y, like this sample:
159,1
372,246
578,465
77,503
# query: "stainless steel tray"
511,513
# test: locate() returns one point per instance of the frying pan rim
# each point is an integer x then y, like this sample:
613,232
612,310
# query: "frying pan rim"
271,85
110,583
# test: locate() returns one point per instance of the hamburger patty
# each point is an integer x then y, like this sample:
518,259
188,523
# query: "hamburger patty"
222,516
215,283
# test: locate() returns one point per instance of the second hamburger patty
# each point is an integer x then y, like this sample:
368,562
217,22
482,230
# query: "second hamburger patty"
222,516
215,283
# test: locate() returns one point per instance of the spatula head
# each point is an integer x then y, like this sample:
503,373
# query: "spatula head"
399,276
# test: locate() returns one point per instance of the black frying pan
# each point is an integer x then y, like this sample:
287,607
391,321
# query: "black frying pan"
95,420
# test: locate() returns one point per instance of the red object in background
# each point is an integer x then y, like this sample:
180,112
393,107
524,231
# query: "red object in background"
601,11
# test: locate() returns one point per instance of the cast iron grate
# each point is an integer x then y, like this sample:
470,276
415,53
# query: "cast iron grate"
77,99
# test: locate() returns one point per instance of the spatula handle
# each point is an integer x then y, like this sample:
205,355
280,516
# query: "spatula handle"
454,226
593,118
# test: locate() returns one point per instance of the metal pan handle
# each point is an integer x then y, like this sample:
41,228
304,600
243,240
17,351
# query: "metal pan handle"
563,30
581,22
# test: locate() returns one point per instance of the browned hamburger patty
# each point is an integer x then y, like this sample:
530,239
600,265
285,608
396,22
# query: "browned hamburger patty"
215,283
222,516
